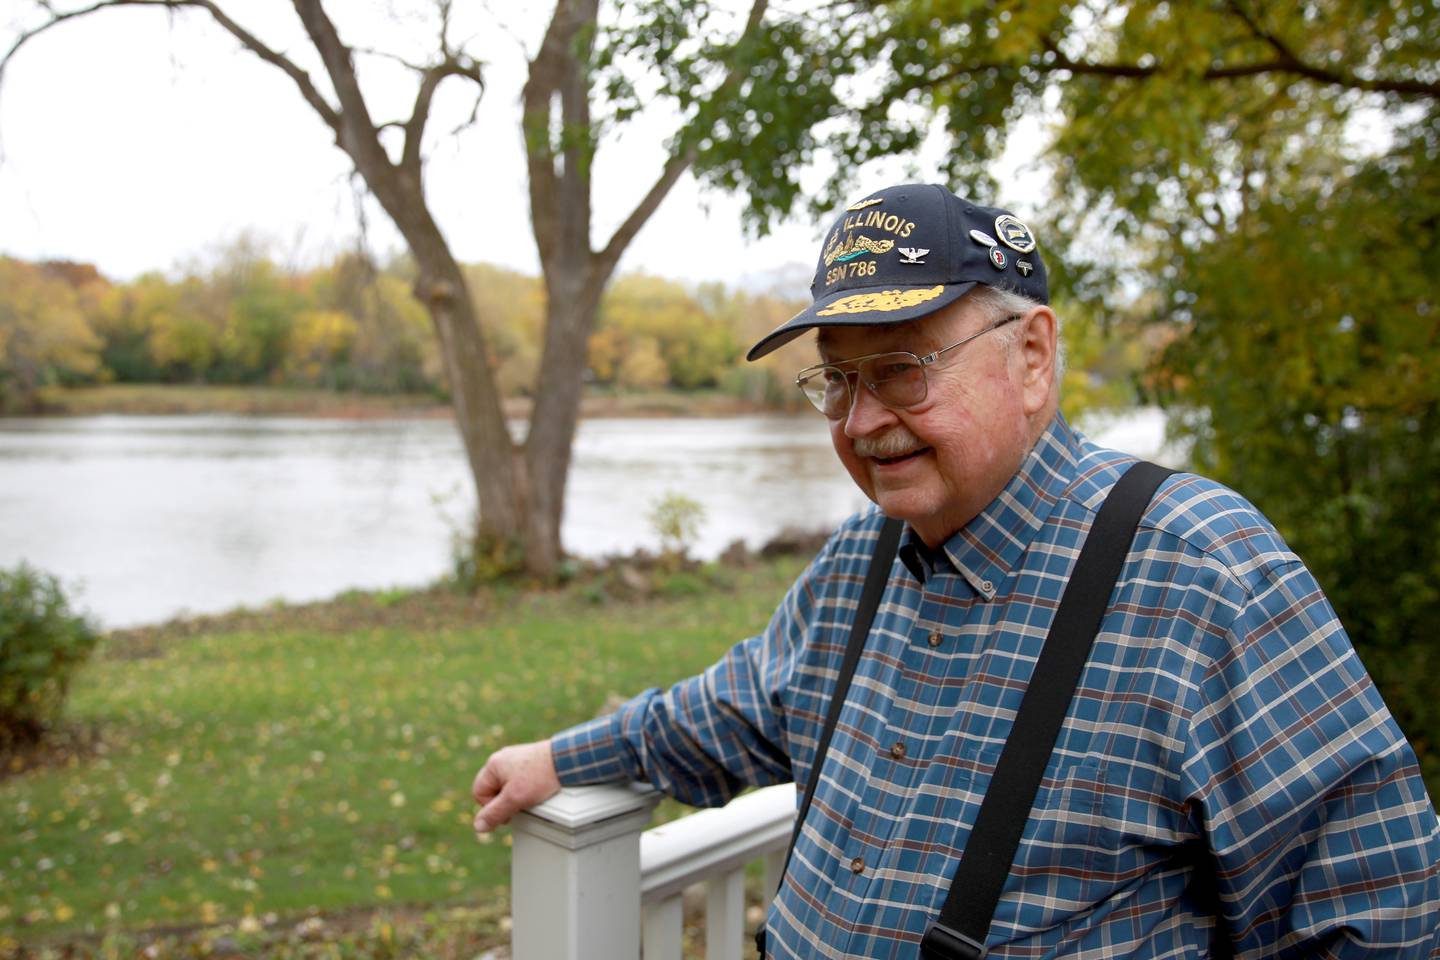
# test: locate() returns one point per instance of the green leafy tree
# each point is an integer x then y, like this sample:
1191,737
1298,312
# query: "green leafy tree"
1212,191
259,305
124,335
1305,367
183,337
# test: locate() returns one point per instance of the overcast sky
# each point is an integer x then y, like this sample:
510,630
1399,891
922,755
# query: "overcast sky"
138,141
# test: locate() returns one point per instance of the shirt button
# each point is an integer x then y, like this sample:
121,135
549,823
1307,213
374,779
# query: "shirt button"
898,751
936,638
988,587
857,865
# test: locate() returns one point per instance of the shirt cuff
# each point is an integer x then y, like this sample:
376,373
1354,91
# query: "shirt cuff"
592,752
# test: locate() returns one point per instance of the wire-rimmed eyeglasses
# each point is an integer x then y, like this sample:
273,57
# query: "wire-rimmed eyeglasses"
898,378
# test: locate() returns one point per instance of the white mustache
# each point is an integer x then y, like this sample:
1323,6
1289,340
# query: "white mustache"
896,443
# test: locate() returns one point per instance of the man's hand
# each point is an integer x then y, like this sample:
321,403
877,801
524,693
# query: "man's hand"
513,779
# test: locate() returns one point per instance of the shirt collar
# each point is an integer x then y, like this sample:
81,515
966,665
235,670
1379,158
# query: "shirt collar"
922,561
986,549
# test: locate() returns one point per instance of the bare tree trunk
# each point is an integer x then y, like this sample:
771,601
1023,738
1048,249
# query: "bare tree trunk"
570,317
440,285
479,413
575,274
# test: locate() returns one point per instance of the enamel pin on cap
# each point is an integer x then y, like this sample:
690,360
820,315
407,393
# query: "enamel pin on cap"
1014,234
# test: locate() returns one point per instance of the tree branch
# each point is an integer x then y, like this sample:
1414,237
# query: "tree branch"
1327,77
1289,62
356,129
609,256
387,55
430,78
1284,52
1285,62
247,39
546,75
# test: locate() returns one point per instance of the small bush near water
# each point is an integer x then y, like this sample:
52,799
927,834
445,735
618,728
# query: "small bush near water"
42,643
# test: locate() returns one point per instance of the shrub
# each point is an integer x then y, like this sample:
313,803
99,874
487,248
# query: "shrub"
42,643
676,519
476,561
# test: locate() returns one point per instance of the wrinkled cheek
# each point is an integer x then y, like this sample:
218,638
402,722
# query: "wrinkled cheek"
860,473
965,459
855,466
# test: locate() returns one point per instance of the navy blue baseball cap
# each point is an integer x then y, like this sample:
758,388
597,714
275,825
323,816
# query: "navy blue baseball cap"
906,251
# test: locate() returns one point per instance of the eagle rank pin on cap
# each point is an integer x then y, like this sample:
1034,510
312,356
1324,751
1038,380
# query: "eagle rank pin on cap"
906,251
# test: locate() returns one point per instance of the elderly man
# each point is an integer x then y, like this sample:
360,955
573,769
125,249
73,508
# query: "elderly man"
1226,777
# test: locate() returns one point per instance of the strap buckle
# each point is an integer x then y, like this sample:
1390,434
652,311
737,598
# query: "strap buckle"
943,943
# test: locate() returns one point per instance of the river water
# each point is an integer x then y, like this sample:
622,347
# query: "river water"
150,517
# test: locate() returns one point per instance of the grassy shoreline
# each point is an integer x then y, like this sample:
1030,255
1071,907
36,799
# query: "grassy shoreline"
262,775
191,399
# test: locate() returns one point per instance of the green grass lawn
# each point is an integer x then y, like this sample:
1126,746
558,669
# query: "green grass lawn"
297,765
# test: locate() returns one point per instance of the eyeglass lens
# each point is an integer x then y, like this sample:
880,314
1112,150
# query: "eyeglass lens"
896,379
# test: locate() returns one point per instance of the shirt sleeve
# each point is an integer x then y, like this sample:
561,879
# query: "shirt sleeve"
1325,841
707,737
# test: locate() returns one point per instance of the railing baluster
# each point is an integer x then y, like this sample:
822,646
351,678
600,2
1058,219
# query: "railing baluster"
725,916
664,927
774,863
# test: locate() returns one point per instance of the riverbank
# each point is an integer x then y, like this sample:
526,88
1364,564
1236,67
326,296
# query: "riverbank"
141,399
275,782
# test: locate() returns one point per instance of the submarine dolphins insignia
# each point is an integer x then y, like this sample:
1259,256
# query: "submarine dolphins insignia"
854,247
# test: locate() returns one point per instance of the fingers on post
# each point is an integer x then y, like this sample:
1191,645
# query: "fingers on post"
489,781
513,779
493,790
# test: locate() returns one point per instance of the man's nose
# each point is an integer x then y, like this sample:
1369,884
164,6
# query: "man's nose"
867,414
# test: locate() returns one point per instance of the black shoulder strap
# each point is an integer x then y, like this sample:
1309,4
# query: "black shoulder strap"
875,579
959,933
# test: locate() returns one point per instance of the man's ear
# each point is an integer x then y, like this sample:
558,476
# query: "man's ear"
1036,346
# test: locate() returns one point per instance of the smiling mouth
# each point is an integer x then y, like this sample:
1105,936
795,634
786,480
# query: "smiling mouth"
890,461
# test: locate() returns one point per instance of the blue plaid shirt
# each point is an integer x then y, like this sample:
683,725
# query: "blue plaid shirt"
1222,707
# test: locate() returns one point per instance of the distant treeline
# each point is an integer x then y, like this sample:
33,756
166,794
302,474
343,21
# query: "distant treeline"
353,325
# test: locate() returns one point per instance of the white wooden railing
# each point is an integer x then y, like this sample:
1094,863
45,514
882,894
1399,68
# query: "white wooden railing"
588,881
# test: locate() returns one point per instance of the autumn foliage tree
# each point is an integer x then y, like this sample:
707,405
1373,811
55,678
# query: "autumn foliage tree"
44,334
353,325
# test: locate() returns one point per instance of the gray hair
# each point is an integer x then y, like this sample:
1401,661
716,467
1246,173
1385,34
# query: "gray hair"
999,303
